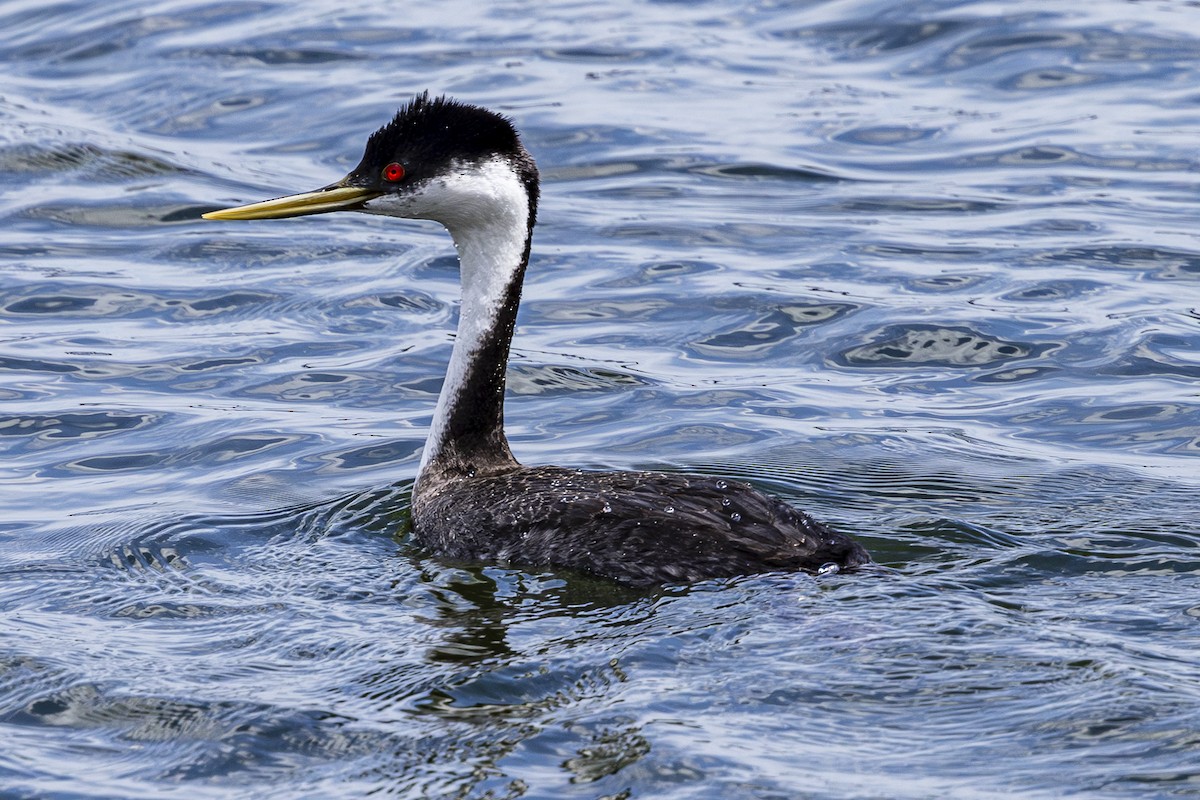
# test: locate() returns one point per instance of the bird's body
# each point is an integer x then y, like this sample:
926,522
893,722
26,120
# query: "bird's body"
466,168
641,528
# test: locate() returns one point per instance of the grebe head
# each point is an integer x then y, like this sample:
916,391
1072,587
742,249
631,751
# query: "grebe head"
438,159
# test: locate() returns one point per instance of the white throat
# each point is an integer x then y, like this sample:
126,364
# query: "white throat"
485,207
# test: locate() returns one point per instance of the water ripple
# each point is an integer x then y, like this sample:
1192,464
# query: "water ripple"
926,270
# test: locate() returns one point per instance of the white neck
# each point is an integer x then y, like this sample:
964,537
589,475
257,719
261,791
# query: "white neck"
486,209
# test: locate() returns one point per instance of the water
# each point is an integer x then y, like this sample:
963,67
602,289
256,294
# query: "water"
929,270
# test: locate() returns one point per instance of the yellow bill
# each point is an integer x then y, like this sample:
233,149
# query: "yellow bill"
336,198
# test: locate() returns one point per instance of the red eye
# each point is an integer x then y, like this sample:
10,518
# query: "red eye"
393,172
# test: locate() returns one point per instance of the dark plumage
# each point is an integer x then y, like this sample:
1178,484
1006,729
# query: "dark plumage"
642,528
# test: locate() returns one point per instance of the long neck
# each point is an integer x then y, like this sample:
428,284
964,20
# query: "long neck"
467,435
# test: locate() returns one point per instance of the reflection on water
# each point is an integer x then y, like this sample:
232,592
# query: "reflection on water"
928,271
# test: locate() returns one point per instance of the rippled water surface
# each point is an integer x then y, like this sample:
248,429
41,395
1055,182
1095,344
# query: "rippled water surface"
930,270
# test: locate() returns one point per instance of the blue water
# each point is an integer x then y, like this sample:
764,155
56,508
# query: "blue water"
929,270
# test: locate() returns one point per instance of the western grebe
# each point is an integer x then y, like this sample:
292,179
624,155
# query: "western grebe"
466,168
